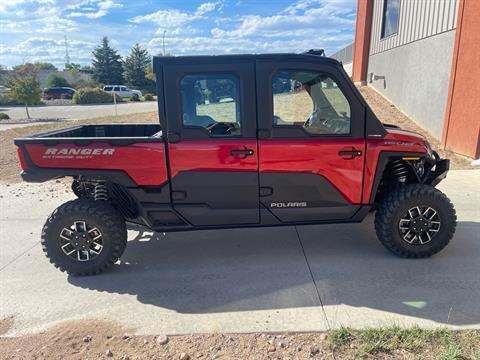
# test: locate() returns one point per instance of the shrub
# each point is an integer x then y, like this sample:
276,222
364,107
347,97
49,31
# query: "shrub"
56,80
7,100
4,116
25,90
148,97
92,96
135,97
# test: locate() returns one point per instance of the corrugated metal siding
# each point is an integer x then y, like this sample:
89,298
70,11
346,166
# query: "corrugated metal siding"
418,19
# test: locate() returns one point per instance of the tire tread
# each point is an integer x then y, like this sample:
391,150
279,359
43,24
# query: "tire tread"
107,215
390,205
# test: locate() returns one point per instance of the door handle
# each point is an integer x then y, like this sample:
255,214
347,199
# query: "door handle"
242,152
349,154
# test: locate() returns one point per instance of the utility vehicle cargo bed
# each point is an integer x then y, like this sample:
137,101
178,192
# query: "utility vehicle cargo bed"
100,132
135,150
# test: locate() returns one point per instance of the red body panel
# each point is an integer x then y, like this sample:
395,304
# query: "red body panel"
144,162
318,156
211,155
396,140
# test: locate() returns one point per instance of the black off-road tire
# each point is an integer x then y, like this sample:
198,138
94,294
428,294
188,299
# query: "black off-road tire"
397,203
96,213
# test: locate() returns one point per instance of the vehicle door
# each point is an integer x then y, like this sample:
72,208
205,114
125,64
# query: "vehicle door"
212,145
311,141
116,90
125,92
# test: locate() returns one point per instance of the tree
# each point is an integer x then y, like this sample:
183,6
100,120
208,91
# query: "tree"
44,66
107,64
56,80
73,66
87,69
135,65
3,74
149,74
25,90
35,67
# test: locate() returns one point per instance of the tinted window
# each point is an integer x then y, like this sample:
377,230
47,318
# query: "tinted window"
311,100
123,88
116,88
107,88
391,9
213,102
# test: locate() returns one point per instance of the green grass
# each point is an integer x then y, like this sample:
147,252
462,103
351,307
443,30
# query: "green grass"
442,344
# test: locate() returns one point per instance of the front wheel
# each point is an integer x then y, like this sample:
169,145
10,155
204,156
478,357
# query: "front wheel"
415,221
84,237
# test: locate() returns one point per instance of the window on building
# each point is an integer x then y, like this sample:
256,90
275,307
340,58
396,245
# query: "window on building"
212,101
391,11
311,100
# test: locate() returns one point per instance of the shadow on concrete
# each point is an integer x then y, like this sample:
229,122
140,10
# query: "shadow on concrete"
255,269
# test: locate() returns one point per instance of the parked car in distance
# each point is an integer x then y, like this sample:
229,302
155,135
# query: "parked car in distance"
122,91
58,93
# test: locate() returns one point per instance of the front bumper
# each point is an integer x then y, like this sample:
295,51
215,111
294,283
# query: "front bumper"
438,172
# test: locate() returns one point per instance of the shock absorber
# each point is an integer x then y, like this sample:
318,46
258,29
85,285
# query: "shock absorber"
101,191
399,170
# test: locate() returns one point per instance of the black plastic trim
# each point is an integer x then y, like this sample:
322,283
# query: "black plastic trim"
384,158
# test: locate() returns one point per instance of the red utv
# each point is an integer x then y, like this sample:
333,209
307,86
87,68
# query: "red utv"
244,141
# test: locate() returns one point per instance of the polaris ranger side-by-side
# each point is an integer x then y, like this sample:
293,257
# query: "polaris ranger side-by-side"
244,141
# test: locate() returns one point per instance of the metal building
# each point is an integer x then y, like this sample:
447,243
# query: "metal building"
422,55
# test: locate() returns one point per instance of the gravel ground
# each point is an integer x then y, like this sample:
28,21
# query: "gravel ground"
103,340
90,339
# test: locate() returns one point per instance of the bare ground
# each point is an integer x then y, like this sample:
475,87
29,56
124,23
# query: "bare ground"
91,339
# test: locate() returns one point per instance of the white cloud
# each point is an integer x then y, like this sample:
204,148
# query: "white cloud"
166,18
174,18
47,49
94,9
8,5
208,7
200,29
300,19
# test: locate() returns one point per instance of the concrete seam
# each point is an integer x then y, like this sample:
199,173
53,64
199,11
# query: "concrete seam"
19,256
313,279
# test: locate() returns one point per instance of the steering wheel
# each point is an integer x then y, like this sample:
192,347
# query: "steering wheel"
219,128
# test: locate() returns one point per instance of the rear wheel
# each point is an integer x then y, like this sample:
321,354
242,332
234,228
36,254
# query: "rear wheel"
415,221
84,237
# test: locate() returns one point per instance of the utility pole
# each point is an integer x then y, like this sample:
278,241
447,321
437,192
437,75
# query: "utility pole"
67,57
164,31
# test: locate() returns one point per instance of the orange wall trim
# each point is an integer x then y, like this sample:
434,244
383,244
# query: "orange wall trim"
361,47
461,130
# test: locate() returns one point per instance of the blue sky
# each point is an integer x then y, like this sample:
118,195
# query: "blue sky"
33,30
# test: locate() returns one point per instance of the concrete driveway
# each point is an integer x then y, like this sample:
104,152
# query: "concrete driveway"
307,278
75,112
